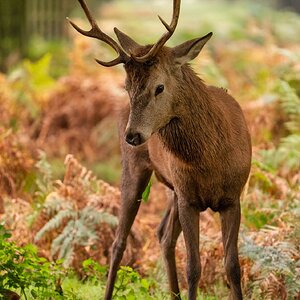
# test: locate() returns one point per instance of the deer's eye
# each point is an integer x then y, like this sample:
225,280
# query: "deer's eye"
159,89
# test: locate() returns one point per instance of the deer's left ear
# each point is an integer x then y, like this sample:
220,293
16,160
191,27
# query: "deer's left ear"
187,51
127,43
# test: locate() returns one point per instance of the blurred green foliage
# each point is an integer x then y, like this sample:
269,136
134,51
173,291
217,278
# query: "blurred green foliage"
30,83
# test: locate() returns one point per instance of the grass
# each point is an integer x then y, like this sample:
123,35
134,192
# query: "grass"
89,290
74,289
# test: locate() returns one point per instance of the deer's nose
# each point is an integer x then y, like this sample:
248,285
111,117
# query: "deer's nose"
133,139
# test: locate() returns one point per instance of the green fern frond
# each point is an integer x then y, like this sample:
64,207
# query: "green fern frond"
290,103
108,219
290,148
44,183
84,234
92,217
57,242
278,259
287,154
67,243
43,165
55,203
68,257
55,222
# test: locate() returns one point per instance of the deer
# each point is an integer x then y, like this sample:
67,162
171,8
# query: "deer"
192,136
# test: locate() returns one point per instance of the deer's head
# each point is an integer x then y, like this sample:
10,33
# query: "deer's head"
152,74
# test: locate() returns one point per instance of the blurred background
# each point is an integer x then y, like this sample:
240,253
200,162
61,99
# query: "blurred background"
31,27
60,162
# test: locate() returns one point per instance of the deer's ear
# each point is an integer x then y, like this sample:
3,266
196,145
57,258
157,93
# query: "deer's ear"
187,51
127,43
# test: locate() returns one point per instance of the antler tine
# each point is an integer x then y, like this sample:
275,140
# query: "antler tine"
97,33
170,30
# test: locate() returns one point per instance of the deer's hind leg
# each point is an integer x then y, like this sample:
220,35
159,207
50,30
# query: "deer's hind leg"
230,223
168,232
189,220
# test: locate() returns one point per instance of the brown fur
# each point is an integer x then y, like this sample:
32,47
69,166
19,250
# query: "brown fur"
202,154
194,137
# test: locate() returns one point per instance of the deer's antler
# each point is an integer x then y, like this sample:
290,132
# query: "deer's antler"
97,33
170,30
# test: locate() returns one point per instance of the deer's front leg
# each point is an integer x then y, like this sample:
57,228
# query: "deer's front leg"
189,220
135,177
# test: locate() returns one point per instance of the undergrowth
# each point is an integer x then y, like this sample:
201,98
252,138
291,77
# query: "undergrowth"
274,202
73,216
74,209
23,271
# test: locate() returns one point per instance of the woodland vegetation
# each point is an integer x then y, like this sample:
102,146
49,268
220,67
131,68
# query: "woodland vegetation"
60,159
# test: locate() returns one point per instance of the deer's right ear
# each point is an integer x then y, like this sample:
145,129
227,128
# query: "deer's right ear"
189,50
127,43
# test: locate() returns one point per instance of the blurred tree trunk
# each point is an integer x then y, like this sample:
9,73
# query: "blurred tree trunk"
12,28
47,18
20,20
292,4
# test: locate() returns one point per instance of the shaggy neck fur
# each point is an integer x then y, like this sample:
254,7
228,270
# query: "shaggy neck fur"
196,133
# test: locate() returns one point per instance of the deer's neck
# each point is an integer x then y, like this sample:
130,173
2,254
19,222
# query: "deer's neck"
197,133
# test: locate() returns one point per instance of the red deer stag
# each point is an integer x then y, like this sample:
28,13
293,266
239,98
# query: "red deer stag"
192,136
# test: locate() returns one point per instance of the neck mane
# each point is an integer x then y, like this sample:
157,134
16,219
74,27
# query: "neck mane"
195,134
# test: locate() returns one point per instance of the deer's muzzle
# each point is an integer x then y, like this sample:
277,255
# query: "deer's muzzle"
134,139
